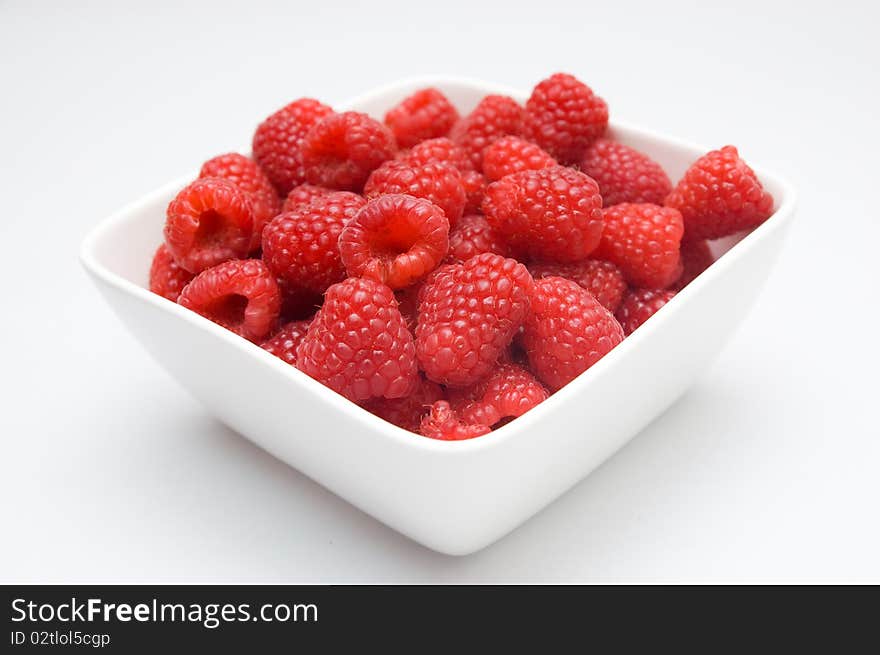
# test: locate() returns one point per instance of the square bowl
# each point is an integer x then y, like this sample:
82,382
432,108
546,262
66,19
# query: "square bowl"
453,497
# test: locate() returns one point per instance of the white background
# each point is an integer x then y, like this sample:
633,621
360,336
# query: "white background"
767,470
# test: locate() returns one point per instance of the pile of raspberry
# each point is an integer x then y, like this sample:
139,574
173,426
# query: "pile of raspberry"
446,272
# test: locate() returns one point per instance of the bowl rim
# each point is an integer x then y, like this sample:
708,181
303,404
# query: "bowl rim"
784,210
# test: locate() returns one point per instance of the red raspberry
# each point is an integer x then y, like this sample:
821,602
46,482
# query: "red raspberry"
395,239
508,391
341,150
209,222
639,305
564,116
283,344
554,214
249,177
696,257
301,196
241,295
493,118
475,185
624,174
277,144
643,241
443,150
301,247
443,423
473,236
511,154
602,279
468,315
358,344
567,331
438,182
407,413
426,114
167,278
720,195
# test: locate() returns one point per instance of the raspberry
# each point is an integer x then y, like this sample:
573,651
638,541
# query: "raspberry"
438,182
407,413
643,241
510,154
475,185
301,196
554,214
624,174
277,144
167,278
241,295
472,236
283,344
564,116
468,315
209,222
341,150
395,239
720,195
443,423
602,279
639,305
426,114
249,177
493,118
358,344
508,391
442,149
696,257
301,247
567,331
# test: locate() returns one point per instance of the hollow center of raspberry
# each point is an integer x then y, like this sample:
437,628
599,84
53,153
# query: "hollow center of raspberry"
228,310
394,239
213,229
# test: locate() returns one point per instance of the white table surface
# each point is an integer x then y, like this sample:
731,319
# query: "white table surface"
767,470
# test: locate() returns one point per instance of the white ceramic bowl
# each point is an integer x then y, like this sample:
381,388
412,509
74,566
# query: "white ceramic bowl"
453,497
